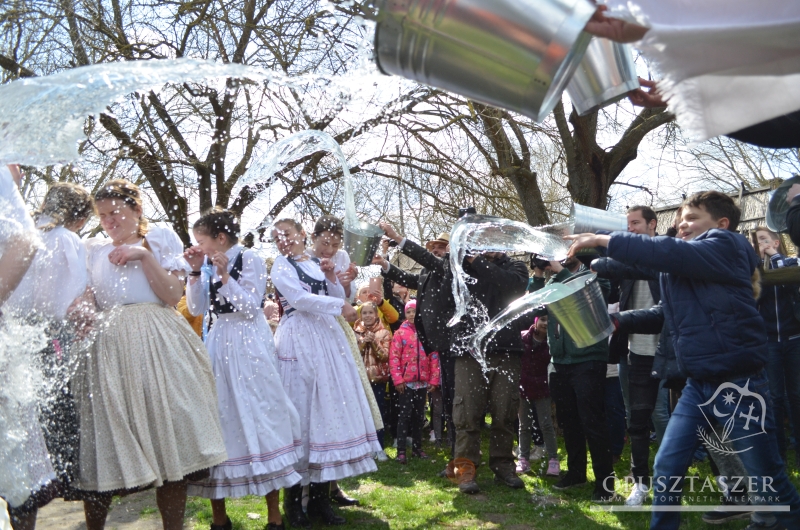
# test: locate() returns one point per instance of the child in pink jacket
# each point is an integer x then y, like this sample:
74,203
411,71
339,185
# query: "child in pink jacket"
414,373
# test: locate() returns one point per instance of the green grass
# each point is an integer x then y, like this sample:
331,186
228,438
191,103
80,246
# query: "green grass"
414,497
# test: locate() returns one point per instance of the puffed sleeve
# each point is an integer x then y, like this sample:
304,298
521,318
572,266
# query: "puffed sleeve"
167,248
14,217
286,281
246,293
197,294
67,260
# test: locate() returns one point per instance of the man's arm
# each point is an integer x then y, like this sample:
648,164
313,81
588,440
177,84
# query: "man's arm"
642,321
616,270
398,275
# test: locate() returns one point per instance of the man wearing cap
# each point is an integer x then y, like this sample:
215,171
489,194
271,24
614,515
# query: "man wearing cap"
435,306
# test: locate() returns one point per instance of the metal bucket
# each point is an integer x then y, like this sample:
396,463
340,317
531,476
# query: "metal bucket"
361,242
584,313
606,74
518,55
585,219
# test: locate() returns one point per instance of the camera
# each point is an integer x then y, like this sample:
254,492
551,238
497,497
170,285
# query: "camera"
468,210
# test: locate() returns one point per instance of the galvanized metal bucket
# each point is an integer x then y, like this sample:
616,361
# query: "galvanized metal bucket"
585,219
606,74
361,242
584,313
514,54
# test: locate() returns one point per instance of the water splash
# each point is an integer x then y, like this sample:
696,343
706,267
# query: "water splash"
484,233
263,170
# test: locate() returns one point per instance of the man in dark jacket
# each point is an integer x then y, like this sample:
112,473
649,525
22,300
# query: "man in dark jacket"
499,280
435,307
721,343
577,387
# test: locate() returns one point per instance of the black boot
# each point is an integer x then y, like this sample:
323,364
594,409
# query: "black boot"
227,526
293,508
319,504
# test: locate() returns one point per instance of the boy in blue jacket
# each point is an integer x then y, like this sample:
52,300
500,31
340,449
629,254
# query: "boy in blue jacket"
720,342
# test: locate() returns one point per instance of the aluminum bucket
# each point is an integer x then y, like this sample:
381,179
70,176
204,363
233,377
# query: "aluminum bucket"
589,220
514,54
584,313
606,74
361,242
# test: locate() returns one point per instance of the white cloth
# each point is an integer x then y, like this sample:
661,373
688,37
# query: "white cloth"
726,64
24,463
341,262
127,284
56,277
321,378
642,298
14,217
260,424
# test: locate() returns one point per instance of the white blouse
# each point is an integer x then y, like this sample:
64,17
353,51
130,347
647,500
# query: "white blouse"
245,294
287,282
56,277
341,261
115,285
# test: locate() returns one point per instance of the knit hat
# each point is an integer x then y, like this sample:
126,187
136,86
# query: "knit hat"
410,304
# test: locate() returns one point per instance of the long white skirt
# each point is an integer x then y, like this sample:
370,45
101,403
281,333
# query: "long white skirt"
321,378
260,425
147,401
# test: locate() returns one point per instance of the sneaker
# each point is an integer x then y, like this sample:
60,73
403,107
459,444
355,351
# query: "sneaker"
764,526
569,481
419,453
523,466
638,495
401,457
537,453
381,456
553,468
509,479
432,437
603,497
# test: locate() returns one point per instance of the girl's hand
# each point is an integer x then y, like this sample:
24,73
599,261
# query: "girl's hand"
369,336
349,312
401,388
194,257
220,260
432,388
125,253
326,265
347,277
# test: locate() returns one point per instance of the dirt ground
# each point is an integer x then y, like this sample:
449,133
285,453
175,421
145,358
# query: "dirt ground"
134,512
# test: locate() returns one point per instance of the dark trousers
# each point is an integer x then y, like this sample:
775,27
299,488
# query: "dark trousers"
643,392
379,389
447,362
498,390
615,415
783,372
411,409
579,394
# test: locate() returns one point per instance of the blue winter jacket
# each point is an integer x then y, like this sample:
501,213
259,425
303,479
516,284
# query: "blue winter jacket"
707,296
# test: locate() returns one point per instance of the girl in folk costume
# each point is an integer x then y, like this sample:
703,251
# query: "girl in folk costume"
319,375
374,341
49,295
414,373
259,423
146,394
326,243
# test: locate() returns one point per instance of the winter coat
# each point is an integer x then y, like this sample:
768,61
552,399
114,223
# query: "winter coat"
408,361
499,282
374,353
622,278
776,305
707,299
533,379
563,349
435,304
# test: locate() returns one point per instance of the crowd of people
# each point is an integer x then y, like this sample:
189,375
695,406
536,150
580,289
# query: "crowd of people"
209,404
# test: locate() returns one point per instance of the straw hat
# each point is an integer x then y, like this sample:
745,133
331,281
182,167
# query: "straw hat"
444,237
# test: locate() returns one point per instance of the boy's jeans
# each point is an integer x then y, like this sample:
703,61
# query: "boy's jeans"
783,371
761,460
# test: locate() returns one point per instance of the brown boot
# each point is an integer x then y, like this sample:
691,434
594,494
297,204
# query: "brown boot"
465,474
